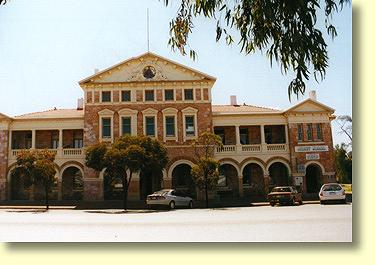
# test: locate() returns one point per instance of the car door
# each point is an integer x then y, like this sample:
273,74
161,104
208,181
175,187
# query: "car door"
178,199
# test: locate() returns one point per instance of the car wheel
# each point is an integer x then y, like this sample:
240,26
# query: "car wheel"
322,202
272,204
343,201
292,202
300,202
172,205
191,205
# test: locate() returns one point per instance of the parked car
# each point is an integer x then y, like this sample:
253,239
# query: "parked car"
284,195
332,192
170,198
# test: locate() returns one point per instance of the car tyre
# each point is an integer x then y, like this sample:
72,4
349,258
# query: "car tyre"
292,202
172,205
322,202
191,205
272,204
300,202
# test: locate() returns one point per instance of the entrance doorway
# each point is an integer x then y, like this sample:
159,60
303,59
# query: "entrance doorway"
313,178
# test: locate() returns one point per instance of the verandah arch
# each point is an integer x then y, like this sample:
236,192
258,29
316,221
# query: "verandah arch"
279,173
182,179
228,180
72,183
253,179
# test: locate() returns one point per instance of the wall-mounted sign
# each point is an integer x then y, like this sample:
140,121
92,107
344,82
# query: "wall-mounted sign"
311,148
301,168
298,181
312,156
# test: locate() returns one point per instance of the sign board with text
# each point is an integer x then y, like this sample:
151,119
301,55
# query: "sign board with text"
311,148
312,156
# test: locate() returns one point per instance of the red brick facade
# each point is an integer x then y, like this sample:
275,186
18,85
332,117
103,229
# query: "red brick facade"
256,150
3,162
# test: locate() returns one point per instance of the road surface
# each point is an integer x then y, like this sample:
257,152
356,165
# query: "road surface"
307,223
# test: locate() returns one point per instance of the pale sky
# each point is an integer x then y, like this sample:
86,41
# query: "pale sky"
46,47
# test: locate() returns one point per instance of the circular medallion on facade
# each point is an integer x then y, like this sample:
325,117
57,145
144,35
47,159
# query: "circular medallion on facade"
149,72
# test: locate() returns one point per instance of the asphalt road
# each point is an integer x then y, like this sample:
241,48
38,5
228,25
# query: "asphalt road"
307,223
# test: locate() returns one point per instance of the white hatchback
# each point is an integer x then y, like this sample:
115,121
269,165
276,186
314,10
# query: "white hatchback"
169,197
332,192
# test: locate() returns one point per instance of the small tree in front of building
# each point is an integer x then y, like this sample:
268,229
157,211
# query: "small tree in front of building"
36,167
126,156
205,172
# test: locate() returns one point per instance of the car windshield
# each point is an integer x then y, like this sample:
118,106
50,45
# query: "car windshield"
161,192
281,189
332,187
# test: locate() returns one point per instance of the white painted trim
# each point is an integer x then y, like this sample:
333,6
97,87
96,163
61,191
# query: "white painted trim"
67,166
281,161
101,94
253,162
183,94
223,162
316,163
144,95
176,163
174,95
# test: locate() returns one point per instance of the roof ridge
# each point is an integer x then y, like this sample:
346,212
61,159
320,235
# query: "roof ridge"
43,111
247,105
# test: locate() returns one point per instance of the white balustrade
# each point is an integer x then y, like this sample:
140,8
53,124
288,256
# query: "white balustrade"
72,152
251,148
276,147
226,149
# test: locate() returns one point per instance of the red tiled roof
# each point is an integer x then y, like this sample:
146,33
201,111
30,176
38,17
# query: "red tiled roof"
52,114
241,109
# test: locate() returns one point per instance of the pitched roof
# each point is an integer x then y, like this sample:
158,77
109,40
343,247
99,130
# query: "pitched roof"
87,79
309,100
242,109
52,114
5,117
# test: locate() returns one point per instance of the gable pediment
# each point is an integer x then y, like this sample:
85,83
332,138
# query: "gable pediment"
4,117
310,106
145,68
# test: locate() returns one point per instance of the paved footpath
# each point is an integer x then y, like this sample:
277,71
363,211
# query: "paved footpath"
308,223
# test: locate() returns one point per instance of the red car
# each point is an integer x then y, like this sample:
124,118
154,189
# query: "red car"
284,195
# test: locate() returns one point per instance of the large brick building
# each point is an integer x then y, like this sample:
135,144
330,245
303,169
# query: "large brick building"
151,95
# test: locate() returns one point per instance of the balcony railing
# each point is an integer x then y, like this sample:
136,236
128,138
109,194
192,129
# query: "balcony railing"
58,152
276,147
252,148
226,149
73,152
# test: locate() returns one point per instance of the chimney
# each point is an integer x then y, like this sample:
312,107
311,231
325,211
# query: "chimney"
233,100
312,95
80,104
96,70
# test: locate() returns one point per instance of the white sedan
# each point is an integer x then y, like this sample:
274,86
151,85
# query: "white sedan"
169,197
332,192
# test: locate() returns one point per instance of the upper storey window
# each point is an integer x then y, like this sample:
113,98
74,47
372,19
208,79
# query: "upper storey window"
106,96
319,132
149,95
106,127
169,94
309,132
125,96
188,94
300,132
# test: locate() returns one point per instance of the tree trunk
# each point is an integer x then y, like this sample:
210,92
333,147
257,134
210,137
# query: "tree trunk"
46,191
125,185
206,190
